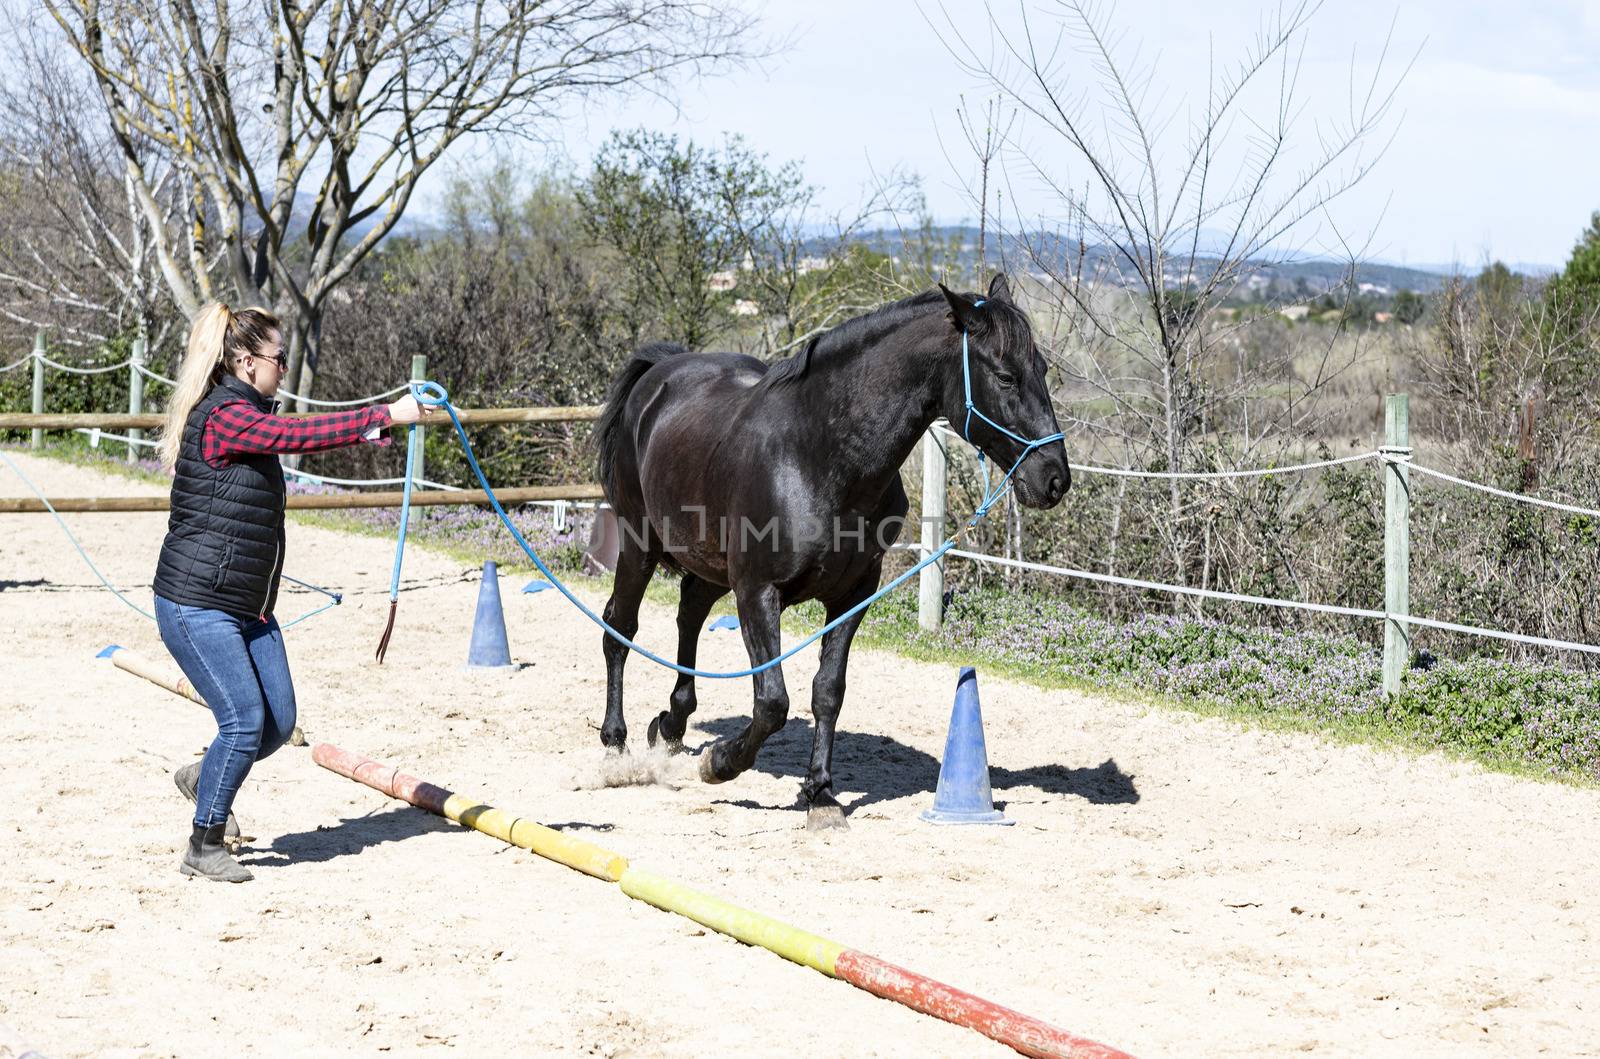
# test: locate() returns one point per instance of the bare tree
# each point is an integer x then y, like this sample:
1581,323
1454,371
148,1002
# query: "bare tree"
1146,237
804,269
985,145
77,255
297,130
1500,342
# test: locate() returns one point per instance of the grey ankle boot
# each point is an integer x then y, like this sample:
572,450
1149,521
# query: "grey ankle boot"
208,858
188,781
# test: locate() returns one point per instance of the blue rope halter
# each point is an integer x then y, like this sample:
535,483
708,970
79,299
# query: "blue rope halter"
992,496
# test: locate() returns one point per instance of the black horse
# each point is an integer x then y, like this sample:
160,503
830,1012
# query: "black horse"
781,483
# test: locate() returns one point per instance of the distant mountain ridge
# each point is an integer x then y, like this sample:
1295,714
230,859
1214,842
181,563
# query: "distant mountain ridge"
1280,270
1281,273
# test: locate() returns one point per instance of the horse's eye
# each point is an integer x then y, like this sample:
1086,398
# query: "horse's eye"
1009,382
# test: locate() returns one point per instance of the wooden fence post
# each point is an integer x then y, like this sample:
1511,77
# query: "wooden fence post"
419,373
136,394
38,385
930,601
1528,444
1396,541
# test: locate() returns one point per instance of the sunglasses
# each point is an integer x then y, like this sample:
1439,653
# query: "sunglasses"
276,359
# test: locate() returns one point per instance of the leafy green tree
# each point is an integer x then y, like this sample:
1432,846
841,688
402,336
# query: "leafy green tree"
1499,292
1409,306
1570,317
1583,267
680,220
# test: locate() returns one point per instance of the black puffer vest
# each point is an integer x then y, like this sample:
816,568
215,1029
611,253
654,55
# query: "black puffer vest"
224,546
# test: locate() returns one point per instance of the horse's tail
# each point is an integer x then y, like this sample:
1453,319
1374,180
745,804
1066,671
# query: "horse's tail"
608,429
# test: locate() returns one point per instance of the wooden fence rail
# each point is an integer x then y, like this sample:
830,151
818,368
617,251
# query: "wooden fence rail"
147,421
320,501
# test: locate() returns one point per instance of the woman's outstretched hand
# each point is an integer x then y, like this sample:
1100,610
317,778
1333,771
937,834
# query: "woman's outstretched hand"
407,410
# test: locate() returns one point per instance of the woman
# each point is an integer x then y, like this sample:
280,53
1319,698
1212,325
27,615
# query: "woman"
217,578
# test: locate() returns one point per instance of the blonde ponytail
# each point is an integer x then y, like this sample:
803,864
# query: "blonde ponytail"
217,338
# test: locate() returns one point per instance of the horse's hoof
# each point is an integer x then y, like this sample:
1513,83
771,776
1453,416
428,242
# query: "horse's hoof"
653,735
708,772
826,818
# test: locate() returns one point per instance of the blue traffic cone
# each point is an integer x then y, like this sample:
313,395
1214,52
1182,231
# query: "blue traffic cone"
490,649
963,796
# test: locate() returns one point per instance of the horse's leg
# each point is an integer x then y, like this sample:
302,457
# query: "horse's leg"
635,564
827,696
696,597
759,610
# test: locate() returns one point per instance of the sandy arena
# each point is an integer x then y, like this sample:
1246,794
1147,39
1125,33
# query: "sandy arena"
1175,886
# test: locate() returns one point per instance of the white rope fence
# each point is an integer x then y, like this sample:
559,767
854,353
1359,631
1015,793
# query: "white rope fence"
96,435
1268,601
154,376
1397,457
1259,472
321,479
352,402
285,394
69,369
1521,498
1254,472
1387,455
158,377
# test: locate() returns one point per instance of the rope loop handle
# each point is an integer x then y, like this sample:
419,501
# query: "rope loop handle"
428,392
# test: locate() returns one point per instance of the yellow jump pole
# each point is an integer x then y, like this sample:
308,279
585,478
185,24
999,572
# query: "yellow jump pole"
518,831
752,928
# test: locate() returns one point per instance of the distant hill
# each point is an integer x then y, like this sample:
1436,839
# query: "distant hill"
1535,269
1280,275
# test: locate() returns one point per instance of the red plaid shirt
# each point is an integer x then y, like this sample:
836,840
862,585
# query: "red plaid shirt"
238,429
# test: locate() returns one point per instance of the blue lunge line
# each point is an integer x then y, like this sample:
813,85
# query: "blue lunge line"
430,393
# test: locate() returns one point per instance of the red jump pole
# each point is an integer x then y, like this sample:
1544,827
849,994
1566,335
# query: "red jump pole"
1026,1034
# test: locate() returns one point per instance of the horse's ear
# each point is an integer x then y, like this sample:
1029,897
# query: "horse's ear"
999,288
962,309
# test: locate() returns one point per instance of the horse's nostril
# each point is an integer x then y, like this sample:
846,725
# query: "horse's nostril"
1057,491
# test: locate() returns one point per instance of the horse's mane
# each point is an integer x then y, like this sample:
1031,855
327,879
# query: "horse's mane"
863,331
852,335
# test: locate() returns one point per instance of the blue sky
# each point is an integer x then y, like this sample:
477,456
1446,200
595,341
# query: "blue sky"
1497,127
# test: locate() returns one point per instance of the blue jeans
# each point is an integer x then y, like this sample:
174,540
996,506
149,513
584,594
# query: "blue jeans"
240,669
